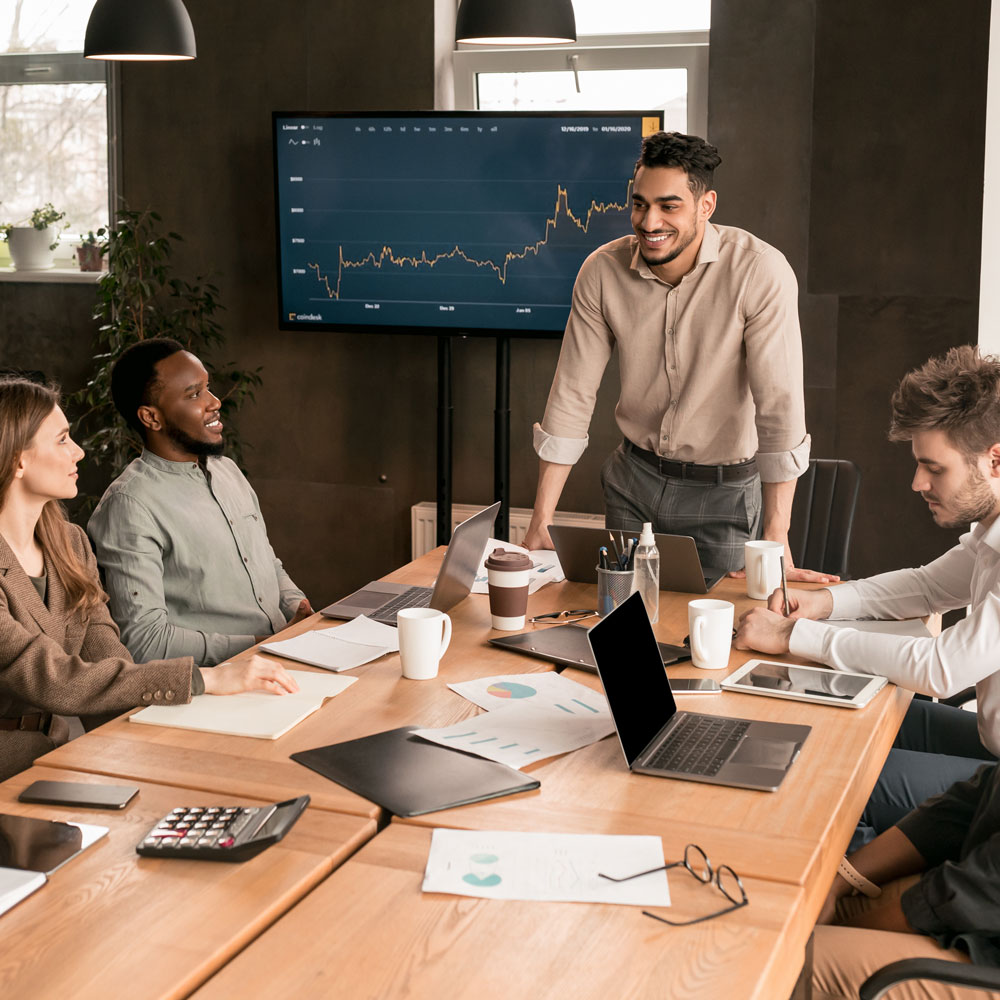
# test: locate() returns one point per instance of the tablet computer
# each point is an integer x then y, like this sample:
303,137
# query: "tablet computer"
820,685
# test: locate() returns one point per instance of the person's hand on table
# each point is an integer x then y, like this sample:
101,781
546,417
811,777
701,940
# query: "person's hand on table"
255,674
537,537
815,604
764,631
303,611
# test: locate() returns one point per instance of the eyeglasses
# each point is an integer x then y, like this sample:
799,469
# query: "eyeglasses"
579,615
697,863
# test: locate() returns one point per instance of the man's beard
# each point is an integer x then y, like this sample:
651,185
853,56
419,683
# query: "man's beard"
975,501
192,445
673,255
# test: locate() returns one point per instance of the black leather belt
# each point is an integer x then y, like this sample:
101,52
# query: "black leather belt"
738,473
37,723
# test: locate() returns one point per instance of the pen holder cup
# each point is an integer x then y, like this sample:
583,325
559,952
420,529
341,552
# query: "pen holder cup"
613,587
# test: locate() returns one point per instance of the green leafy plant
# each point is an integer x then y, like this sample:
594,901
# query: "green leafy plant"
92,239
138,298
40,219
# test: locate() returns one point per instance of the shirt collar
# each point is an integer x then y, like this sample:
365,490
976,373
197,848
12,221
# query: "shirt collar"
708,253
988,536
165,465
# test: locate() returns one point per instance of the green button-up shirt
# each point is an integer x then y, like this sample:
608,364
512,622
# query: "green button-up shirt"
186,561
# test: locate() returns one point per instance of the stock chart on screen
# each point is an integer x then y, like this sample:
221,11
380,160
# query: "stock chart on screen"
451,222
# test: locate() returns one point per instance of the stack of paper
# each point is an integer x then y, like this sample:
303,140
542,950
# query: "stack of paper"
340,648
545,566
257,714
530,717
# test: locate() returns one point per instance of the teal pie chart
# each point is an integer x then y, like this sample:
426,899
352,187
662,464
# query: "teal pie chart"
510,689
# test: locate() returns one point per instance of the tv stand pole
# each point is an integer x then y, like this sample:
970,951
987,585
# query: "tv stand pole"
445,411
501,439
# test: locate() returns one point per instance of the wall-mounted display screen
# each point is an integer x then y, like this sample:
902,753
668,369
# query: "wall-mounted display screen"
465,222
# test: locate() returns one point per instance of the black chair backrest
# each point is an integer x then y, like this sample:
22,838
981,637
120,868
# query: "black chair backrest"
826,496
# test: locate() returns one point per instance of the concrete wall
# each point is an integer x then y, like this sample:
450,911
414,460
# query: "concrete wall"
852,135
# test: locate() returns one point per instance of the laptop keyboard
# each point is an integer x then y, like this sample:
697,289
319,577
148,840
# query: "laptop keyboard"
698,744
415,597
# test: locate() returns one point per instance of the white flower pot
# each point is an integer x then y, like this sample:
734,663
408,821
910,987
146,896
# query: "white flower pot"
29,248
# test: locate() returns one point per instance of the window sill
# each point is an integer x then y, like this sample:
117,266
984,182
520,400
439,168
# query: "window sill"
68,275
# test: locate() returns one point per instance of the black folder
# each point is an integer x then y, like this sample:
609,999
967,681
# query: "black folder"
410,776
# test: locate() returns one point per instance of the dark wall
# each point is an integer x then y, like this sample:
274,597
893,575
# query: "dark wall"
855,134
833,119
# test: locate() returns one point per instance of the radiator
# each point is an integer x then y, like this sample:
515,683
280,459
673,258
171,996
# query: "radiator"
423,523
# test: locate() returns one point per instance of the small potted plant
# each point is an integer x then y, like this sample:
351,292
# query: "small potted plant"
88,253
32,240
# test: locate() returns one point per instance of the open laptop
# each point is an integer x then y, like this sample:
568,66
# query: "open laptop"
680,567
381,601
657,739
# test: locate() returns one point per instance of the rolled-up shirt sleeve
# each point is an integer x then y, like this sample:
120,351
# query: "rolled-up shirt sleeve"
774,368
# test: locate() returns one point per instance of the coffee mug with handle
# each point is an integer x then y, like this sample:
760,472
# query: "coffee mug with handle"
710,624
424,635
763,566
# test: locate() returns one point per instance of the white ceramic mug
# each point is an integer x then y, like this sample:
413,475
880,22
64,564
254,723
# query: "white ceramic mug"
710,626
763,566
424,635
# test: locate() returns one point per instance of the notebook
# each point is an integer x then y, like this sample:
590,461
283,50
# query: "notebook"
680,566
657,739
380,600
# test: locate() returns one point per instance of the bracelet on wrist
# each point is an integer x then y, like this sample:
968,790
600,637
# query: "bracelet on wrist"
857,881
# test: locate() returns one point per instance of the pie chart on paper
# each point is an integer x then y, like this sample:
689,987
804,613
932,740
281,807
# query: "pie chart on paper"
510,689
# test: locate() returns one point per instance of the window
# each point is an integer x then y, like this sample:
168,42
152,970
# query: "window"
53,115
630,55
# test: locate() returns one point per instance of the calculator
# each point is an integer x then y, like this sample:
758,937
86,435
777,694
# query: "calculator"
220,833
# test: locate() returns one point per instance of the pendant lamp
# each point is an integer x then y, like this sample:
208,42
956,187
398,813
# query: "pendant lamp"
515,22
139,30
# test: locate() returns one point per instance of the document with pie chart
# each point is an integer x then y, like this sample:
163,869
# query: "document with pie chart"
560,867
543,689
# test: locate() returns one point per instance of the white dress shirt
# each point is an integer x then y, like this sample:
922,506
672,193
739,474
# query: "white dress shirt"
967,653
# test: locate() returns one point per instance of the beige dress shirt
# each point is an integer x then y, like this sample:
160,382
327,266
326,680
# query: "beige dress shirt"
711,368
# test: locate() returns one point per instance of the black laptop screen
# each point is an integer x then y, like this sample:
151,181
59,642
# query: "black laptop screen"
631,670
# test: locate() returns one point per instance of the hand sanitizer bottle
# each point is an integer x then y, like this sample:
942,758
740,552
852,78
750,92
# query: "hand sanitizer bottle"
646,572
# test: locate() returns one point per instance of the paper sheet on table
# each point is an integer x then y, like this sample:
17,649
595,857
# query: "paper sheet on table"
539,690
341,648
546,866
258,714
906,626
518,735
546,568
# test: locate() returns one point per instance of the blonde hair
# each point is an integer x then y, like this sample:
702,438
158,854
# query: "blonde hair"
23,407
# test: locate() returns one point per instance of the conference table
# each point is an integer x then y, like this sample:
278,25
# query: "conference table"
364,928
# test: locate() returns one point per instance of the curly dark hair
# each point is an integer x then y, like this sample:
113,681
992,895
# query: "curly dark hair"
958,393
696,157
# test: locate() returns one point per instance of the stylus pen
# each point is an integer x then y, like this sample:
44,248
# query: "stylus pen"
602,554
784,583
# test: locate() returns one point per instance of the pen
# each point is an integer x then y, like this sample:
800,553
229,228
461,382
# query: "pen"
602,554
784,583
630,563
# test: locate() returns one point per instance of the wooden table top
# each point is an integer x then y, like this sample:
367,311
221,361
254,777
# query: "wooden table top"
394,941
110,923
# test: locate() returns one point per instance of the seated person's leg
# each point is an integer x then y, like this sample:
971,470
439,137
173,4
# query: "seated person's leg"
907,779
934,728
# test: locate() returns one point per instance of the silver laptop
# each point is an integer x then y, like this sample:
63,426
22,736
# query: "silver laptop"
680,567
381,601
657,739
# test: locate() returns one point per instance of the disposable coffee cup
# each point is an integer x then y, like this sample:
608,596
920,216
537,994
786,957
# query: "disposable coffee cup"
710,625
507,575
763,567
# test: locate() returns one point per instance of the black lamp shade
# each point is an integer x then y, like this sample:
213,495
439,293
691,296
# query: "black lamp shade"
515,22
139,29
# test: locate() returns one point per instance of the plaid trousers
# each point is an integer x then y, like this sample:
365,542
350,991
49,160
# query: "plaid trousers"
720,517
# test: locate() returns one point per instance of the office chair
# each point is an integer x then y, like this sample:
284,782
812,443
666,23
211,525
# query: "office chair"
984,977
826,496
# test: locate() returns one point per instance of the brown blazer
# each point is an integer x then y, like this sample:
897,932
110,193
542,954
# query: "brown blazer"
69,664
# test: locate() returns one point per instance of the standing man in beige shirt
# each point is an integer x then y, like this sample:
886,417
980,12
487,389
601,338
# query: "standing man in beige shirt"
705,319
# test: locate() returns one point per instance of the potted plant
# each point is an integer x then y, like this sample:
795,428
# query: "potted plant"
90,251
32,240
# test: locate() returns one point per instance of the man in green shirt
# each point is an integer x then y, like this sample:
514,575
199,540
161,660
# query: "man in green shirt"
179,534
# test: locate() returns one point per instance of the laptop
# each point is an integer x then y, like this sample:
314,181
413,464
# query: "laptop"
680,566
657,739
381,601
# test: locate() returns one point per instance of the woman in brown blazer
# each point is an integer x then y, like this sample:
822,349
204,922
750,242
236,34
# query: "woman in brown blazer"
59,648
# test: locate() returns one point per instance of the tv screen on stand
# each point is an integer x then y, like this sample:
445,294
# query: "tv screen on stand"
429,222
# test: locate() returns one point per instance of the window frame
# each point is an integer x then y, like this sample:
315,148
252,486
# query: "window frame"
686,50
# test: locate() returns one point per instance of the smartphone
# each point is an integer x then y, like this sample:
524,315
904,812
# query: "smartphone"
79,793
694,685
